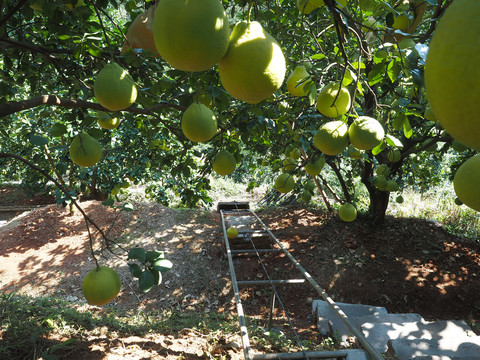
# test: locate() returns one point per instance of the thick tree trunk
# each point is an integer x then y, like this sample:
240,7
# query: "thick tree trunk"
378,205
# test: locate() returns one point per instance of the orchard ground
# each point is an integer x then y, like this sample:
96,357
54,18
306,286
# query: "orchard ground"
406,265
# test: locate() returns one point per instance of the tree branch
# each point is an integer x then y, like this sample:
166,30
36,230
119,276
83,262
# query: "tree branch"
13,107
12,11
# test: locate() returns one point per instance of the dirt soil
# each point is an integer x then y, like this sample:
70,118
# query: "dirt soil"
406,265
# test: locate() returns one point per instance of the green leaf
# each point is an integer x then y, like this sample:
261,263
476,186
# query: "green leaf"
163,265
407,129
398,122
393,141
153,255
376,74
137,253
57,129
379,148
135,270
146,281
157,276
108,202
318,56
393,70
312,95
38,140
95,133
127,207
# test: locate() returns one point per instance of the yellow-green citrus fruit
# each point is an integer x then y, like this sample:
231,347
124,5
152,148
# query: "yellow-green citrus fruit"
289,164
382,170
354,153
295,153
199,123
101,285
254,66
284,183
140,33
191,35
297,80
232,232
314,167
466,182
306,196
394,155
452,71
458,146
365,133
399,199
326,103
85,150
310,186
391,185
114,88
332,137
307,6
224,163
106,121
381,182
347,212
411,181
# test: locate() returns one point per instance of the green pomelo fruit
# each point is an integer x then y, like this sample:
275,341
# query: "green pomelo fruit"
466,181
452,71
365,133
199,123
391,185
224,163
254,66
101,285
106,121
329,104
307,6
114,88
399,199
347,212
310,186
297,80
306,196
85,150
380,182
232,232
394,155
140,33
332,137
382,170
284,183
411,181
314,167
191,35
289,164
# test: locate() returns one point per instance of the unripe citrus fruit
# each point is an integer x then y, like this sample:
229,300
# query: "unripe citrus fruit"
394,155
114,88
347,212
254,66
466,182
106,121
224,163
191,35
382,170
329,104
307,6
306,196
380,182
314,167
284,183
399,199
101,285
232,232
332,137
310,186
391,185
84,150
140,33
365,133
452,72
199,123
297,80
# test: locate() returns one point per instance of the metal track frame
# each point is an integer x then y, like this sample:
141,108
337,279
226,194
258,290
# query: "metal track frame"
371,351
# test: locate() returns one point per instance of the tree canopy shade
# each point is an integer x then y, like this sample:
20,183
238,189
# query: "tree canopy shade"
52,51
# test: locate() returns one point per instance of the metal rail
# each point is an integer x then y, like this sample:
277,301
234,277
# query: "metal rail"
359,335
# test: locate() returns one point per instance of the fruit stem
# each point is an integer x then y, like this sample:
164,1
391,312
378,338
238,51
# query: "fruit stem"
250,6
